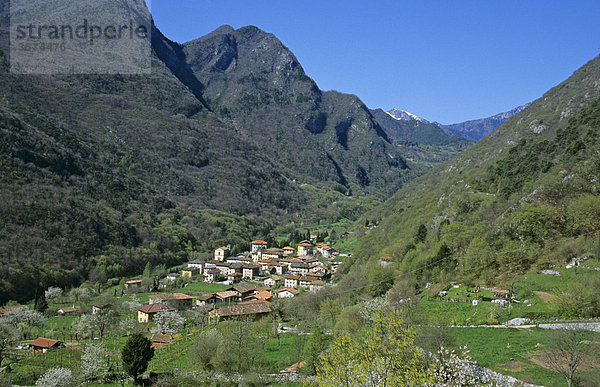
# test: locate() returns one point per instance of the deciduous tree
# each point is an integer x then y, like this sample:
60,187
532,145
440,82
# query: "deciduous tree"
167,322
565,353
384,355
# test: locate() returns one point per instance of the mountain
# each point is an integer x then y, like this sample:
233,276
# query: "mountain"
404,115
255,84
414,130
225,138
523,198
477,129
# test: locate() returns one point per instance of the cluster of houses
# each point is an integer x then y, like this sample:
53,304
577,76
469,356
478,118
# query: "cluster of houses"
283,273
276,273
294,268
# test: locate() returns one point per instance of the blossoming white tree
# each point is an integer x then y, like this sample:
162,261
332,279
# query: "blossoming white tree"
167,322
55,377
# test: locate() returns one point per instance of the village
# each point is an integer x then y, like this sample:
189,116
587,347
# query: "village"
245,286
254,278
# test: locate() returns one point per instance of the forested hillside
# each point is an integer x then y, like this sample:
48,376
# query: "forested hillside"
524,197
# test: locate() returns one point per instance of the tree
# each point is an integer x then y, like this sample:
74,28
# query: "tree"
84,326
53,293
103,320
565,354
147,281
136,355
41,304
205,348
92,361
167,322
384,355
350,320
22,320
56,377
328,311
316,343
241,347
8,335
128,326
80,294
381,279
421,234
453,370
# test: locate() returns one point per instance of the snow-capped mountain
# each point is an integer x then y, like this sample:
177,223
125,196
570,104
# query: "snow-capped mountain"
473,129
404,115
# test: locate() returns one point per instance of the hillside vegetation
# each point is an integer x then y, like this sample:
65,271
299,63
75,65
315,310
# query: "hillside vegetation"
525,197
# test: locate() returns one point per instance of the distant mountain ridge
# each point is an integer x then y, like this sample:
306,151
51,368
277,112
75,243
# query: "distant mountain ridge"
414,130
472,129
479,128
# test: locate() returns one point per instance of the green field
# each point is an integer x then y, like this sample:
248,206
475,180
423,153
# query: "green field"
536,295
506,350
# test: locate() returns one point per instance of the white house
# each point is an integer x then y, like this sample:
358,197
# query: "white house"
258,245
286,292
222,253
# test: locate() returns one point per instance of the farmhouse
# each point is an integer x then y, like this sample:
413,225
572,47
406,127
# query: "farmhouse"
299,267
70,310
288,251
325,250
178,301
272,253
172,277
147,312
258,245
263,295
211,275
228,296
132,284
234,277
250,270
222,253
305,281
43,345
196,264
223,267
190,272
244,290
271,281
204,299
254,309
160,340
316,285
286,292
304,248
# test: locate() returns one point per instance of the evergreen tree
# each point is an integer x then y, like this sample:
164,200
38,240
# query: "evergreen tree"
136,355
421,234
41,304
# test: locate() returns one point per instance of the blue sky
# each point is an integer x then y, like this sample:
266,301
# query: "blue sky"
447,61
